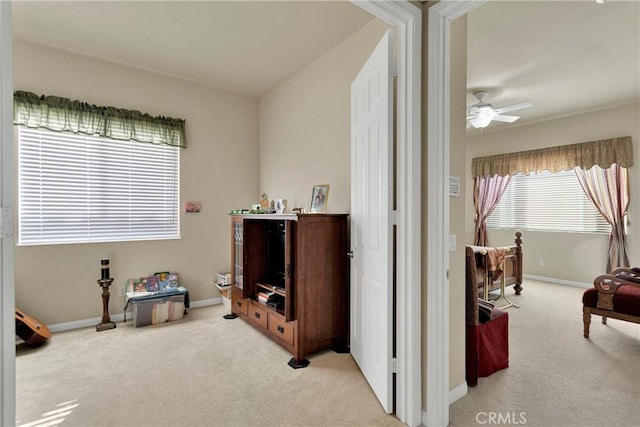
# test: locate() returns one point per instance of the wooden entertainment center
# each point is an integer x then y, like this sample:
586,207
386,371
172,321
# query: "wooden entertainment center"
290,275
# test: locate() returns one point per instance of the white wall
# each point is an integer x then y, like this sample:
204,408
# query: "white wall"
575,257
458,107
305,125
57,283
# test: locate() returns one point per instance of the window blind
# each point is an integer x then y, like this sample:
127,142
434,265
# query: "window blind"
75,188
547,202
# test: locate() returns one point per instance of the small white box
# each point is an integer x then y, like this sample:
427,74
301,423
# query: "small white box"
225,293
223,279
226,299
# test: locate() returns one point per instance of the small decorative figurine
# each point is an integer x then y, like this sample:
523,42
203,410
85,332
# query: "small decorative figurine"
264,202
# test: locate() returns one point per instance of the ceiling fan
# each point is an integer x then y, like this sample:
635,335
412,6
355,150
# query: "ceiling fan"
480,115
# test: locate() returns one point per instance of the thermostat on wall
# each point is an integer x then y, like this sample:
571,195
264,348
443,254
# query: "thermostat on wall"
454,186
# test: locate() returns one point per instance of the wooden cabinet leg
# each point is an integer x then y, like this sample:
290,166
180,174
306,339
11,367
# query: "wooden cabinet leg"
298,360
298,364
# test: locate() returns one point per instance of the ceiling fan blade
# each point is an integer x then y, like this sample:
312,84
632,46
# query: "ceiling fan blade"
514,107
506,119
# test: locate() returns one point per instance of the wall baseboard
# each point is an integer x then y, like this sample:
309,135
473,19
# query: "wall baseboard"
118,317
205,302
455,394
458,392
557,281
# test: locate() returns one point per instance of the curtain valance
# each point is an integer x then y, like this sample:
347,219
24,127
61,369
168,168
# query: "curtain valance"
66,115
604,153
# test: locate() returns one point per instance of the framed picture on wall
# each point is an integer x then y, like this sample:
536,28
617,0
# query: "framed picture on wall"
192,207
319,198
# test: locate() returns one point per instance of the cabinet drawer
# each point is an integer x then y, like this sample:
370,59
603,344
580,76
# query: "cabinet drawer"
239,305
258,315
280,328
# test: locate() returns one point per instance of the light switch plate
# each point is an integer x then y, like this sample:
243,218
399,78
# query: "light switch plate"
452,242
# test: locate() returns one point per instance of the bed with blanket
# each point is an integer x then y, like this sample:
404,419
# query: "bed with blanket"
494,262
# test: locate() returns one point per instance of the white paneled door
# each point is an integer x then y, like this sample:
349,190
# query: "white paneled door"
371,230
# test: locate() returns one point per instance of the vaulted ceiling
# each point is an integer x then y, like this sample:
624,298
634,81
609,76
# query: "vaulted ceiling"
246,47
566,57
563,56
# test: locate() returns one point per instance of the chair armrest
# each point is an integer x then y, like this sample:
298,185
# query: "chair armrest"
629,274
607,285
622,270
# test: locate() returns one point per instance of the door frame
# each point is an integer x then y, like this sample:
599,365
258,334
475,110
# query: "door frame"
7,289
407,22
438,124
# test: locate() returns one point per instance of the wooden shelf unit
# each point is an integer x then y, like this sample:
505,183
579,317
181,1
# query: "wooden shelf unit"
272,288
303,260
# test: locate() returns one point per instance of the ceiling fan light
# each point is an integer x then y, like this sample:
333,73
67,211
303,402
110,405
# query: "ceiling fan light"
480,122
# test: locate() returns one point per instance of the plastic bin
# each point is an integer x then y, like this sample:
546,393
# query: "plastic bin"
151,311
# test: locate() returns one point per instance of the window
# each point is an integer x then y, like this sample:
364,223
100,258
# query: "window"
74,188
547,202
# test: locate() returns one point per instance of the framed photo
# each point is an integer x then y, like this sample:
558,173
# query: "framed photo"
191,207
319,198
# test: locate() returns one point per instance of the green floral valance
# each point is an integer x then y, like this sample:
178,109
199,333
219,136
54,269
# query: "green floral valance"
64,115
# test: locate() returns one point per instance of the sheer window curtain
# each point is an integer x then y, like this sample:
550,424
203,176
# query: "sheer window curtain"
608,189
487,192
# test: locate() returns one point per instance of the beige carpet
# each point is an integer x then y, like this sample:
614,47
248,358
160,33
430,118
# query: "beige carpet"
556,377
201,371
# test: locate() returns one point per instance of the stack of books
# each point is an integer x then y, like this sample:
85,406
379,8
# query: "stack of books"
271,299
264,297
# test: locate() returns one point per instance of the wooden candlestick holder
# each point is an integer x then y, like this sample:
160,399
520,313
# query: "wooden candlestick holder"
106,320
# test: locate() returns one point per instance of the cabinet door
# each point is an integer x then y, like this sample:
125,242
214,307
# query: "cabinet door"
254,253
289,279
237,254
